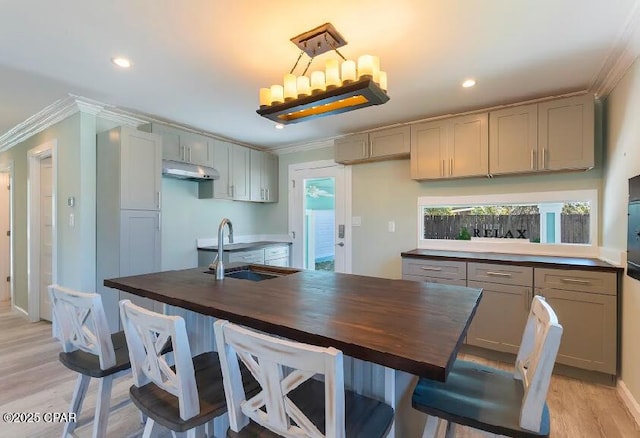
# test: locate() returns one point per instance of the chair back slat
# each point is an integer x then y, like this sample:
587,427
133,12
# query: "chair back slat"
280,366
82,323
535,360
147,333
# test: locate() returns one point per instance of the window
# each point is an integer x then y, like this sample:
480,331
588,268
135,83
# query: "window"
517,221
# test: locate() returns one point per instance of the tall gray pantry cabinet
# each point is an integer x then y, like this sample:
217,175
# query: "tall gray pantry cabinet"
129,182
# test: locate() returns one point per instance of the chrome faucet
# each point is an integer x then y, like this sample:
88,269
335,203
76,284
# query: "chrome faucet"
217,263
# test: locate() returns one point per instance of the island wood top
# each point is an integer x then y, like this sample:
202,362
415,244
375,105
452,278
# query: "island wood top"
410,326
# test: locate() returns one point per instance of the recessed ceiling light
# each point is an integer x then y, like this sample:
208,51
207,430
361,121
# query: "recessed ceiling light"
469,83
121,62
279,126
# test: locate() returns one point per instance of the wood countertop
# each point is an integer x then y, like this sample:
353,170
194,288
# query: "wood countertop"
515,259
406,325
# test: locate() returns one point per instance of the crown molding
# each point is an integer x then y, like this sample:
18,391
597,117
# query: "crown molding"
60,110
302,147
622,55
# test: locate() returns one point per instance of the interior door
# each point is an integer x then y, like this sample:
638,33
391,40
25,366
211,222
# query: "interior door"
318,217
46,224
5,239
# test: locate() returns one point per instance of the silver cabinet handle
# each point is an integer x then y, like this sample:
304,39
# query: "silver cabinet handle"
189,155
498,274
533,153
544,158
430,268
233,190
159,201
442,170
159,221
575,281
451,166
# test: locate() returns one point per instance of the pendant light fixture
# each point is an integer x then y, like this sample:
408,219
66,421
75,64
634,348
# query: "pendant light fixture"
342,86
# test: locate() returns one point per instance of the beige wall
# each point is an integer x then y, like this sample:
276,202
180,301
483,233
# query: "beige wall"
384,192
622,162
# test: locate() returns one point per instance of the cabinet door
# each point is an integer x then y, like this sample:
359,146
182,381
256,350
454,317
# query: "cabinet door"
468,146
240,173
588,328
140,170
197,149
352,148
390,142
171,148
513,139
429,150
222,159
257,190
270,177
566,133
501,316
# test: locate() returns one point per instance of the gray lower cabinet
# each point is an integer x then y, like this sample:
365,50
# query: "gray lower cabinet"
586,305
273,255
506,299
435,271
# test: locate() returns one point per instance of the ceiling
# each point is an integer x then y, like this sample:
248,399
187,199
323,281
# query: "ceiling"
201,62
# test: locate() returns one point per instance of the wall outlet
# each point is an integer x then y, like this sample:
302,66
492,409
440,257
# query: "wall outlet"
356,221
392,226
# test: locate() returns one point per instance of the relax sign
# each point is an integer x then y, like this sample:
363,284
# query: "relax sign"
488,232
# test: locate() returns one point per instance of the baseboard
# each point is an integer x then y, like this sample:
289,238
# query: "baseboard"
21,310
629,401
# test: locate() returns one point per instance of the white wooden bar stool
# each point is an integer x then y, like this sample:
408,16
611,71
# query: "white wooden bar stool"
485,398
180,397
292,403
89,349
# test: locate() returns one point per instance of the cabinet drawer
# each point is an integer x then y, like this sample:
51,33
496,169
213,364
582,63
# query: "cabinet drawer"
282,261
435,268
255,256
501,274
581,281
276,252
460,282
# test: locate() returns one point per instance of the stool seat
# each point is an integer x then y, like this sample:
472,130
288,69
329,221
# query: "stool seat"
89,364
164,408
364,416
478,396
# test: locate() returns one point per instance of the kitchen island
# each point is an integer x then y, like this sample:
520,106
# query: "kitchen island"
393,329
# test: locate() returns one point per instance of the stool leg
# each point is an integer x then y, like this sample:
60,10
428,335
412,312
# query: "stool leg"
451,430
76,403
148,428
102,407
431,427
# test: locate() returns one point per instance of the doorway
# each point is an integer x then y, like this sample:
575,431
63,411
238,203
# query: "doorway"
319,215
42,229
5,236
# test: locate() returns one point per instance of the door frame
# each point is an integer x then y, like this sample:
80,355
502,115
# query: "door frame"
320,164
8,168
34,156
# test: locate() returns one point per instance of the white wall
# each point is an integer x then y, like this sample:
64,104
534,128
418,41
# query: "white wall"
622,162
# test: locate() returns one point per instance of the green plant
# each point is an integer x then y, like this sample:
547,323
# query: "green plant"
464,234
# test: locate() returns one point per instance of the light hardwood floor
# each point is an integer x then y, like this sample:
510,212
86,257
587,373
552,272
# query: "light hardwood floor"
32,380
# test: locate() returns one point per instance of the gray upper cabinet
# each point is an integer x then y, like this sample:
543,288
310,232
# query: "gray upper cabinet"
264,177
180,145
385,144
450,148
552,135
241,173
566,133
222,162
513,140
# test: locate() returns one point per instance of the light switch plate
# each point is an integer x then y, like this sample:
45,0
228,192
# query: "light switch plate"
356,221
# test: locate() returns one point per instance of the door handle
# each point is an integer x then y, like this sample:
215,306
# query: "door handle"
340,244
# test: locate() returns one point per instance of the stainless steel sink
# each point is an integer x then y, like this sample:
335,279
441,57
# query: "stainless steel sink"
246,274
255,272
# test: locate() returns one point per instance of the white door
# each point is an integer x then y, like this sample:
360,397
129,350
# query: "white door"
319,216
46,223
5,239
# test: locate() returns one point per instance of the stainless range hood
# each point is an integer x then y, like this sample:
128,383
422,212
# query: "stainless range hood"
192,172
